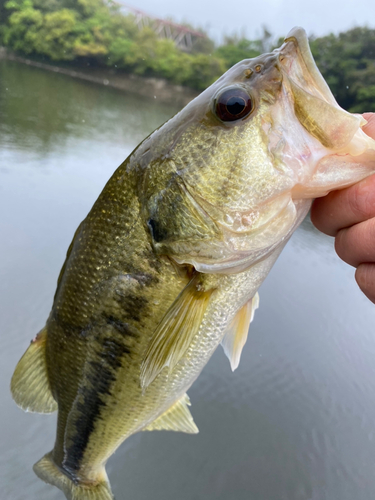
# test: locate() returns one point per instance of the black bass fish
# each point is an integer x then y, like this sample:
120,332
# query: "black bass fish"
167,264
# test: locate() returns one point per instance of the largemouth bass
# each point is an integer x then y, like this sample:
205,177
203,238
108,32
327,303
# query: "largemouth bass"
167,264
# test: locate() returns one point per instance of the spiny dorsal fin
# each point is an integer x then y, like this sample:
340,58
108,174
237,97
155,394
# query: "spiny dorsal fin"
30,386
176,418
236,335
176,330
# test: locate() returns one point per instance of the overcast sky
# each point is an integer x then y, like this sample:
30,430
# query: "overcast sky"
219,17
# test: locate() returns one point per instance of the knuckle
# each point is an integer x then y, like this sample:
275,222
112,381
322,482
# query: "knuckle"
348,247
321,215
365,278
362,202
340,243
361,277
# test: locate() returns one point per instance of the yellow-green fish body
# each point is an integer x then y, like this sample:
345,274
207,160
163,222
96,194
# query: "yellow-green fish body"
168,262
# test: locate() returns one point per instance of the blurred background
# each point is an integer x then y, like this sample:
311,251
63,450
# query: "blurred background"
296,420
136,40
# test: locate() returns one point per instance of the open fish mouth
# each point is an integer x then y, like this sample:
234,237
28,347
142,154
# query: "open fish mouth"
297,61
314,103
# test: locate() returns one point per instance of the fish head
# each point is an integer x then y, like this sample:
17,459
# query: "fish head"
230,177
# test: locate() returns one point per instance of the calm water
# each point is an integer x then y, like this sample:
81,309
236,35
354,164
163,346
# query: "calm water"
296,421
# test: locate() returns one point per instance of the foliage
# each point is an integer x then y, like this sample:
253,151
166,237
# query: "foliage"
235,49
82,30
347,62
74,30
203,45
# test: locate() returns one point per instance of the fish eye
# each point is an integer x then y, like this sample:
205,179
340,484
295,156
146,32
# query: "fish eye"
233,104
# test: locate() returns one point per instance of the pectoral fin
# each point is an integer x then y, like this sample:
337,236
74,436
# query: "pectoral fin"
176,418
176,330
236,334
30,386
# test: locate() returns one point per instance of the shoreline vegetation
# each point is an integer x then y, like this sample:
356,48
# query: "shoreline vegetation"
149,87
95,41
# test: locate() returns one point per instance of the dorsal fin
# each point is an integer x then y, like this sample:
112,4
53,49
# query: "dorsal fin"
30,386
176,330
236,334
176,418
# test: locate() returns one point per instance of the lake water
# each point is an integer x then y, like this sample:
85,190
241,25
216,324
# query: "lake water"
296,421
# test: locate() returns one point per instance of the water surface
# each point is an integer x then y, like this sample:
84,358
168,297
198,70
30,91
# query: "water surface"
296,420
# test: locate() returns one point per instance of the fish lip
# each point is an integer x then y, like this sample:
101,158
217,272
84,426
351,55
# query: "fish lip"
297,64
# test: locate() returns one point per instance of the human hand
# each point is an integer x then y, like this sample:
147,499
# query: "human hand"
349,216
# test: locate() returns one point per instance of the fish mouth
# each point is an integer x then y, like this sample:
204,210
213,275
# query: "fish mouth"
297,63
314,104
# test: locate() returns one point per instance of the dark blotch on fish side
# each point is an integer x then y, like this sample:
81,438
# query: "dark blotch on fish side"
121,327
77,331
101,375
157,231
155,263
133,306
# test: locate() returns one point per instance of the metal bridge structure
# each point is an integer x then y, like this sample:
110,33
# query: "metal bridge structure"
182,36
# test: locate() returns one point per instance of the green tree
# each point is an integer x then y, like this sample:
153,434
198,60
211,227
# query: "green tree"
57,36
22,27
203,45
347,62
205,70
236,49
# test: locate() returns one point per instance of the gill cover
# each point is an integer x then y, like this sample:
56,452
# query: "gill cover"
173,217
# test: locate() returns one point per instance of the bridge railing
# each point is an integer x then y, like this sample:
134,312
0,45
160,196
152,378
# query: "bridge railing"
182,36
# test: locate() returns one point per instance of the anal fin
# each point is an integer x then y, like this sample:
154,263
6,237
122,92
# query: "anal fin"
236,335
30,386
176,418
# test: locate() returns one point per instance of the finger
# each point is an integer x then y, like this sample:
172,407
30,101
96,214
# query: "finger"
365,277
341,209
369,128
356,245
